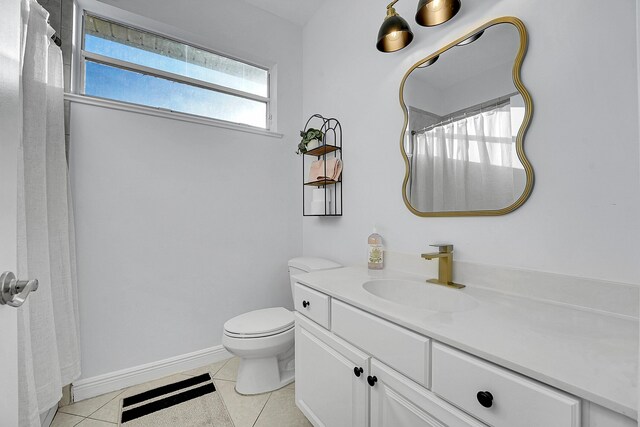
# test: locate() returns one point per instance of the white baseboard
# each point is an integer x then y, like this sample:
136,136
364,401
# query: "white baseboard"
106,383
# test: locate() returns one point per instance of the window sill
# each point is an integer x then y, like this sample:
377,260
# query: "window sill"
167,114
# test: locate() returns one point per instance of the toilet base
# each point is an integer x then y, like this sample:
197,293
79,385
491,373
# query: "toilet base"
266,363
256,376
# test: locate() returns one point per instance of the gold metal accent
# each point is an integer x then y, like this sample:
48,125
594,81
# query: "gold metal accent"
394,33
435,12
445,266
517,66
390,9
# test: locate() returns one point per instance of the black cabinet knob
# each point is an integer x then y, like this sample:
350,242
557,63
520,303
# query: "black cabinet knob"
306,304
357,371
485,398
372,380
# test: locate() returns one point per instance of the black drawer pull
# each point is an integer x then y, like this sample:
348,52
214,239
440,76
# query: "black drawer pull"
372,380
357,371
485,398
306,304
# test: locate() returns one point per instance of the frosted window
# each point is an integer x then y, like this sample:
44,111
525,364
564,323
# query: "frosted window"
131,65
105,81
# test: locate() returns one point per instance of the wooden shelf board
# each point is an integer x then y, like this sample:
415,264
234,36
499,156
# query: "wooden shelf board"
321,182
323,149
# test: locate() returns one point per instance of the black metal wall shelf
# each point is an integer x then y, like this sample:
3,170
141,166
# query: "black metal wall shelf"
330,147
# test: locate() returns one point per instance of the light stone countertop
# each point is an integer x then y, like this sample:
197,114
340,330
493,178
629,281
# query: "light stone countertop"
588,354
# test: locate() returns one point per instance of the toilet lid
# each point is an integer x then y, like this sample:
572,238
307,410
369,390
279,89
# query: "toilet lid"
267,321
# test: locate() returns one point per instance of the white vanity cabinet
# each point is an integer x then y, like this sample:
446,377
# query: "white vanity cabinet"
335,383
398,401
498,396
313,304
402,378
399,347
331,378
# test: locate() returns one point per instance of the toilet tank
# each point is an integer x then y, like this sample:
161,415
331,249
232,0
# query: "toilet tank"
307,265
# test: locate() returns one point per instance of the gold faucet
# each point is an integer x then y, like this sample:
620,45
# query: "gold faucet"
445,266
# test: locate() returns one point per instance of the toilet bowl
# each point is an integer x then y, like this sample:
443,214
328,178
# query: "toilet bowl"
264,339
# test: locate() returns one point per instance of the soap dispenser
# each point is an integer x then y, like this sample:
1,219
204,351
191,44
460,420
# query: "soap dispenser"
376,251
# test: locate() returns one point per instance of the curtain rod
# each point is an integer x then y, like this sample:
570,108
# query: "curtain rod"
478,108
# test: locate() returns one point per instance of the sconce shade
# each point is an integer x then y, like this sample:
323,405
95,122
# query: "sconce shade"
471,39
394,33
435,12
429,62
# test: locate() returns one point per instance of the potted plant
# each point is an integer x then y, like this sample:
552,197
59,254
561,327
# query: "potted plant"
310,139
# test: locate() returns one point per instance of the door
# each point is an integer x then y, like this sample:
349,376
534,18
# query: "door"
10,123
328,389
398,401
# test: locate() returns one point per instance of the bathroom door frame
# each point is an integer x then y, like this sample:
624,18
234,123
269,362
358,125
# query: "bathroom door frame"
10,132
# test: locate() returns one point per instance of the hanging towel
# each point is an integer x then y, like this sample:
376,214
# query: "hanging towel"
316,170
334,168
331,169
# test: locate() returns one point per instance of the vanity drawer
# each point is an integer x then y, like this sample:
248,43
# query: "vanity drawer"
312,304
515,401
399,348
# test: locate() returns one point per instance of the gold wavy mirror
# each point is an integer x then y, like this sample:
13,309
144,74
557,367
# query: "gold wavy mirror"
466,113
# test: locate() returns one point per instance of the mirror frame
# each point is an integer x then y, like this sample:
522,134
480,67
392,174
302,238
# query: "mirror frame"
517,66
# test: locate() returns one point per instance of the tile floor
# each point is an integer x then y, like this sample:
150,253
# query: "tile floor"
276,409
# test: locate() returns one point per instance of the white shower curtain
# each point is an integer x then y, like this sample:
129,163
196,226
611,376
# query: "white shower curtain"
468,164
49,352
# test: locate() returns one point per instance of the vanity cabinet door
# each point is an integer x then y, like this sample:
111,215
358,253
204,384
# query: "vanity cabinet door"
398,401
331,378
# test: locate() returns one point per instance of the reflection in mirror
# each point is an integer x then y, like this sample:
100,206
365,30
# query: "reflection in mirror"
464,117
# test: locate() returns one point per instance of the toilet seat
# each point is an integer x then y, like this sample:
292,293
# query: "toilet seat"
260,323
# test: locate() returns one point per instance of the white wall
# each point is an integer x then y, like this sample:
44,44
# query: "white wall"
482,87
583,217
181,226
420,94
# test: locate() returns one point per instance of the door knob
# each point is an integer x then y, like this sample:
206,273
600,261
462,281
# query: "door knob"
485,398
358,371
306,304
14,292
372,380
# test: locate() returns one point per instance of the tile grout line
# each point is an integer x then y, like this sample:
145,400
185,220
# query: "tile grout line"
220,368
87,416
73,415
98,419
83,418
114,398
212,373
261,410
227,381
224,404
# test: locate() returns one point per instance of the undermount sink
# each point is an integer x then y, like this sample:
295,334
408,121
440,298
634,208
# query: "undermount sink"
421,295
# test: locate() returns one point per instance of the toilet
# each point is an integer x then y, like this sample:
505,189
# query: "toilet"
263,339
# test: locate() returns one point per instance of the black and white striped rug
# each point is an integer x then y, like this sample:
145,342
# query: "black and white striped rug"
190,402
